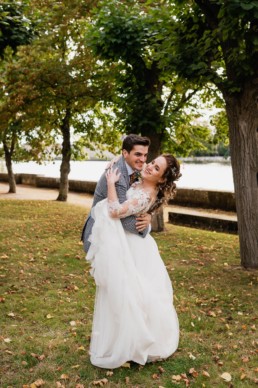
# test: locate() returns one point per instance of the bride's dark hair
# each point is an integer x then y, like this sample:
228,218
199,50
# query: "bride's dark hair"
167,189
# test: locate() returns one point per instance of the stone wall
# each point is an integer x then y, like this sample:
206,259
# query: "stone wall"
221,200
209,199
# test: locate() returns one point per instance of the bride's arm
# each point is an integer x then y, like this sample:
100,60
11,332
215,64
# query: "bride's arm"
129,207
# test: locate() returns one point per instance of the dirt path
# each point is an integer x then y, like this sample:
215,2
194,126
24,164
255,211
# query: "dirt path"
26,192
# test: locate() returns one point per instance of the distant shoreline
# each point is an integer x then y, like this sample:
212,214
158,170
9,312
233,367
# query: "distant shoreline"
204,173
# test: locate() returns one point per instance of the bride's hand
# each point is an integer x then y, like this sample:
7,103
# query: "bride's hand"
112,162
112,175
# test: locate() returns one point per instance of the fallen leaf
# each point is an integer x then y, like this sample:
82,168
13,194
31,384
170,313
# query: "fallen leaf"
40,358
109,373
59,385
126,365
4,256
218,346
9,352
100,382
193,372
64,376
226,376
49,316
205,373
192,356
155,376
176,377
37,383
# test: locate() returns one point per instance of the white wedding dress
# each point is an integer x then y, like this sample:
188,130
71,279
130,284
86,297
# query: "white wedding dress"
134,317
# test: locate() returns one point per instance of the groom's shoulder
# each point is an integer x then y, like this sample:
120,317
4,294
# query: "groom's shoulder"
120,162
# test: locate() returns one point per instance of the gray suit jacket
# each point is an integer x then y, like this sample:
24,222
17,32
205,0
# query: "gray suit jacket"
101,193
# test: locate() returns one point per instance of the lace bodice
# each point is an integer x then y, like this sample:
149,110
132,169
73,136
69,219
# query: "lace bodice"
138,201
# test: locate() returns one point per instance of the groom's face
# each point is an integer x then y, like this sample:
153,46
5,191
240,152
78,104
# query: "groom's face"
136,157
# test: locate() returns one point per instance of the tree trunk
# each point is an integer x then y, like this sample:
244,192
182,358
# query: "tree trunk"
242,112
157,221
155,147
66,156
8,162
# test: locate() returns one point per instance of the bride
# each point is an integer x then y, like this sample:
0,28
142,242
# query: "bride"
134,317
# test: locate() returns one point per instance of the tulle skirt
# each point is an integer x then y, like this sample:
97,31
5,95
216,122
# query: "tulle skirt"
134,317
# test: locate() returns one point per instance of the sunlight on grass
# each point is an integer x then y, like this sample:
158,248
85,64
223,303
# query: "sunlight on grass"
47,297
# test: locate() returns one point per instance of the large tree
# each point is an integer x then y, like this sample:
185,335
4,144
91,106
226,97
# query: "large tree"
149,97
54,85
216,41
15,30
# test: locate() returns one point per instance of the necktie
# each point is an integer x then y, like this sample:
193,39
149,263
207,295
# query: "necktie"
133,178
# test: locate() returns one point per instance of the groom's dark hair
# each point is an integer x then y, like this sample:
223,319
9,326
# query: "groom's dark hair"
131,140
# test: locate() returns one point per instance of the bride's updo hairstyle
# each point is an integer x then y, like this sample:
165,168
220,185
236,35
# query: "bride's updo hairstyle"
167,189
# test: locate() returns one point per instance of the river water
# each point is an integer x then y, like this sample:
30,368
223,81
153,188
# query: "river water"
208,174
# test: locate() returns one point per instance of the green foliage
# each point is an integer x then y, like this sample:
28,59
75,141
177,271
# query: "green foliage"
121,33
55,83
220,122
216,42
149,96
15,28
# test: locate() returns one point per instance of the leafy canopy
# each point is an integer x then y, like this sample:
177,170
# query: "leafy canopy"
15,28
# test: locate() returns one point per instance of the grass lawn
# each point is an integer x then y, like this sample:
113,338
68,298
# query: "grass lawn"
47,297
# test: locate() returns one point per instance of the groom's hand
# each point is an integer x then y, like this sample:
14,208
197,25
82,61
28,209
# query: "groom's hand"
142,221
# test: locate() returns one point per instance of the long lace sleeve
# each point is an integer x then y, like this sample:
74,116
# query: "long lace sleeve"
140,201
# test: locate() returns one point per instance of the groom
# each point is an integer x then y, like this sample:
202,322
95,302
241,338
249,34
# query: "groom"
134,155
